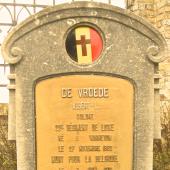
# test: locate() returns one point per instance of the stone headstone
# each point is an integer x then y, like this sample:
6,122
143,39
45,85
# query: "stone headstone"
82,88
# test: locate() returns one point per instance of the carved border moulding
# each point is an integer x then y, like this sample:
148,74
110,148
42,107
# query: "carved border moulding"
12,114
11,86
15,56
12,76
156,54
120,16
157,77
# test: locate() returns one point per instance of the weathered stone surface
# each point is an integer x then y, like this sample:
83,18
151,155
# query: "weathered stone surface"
132,48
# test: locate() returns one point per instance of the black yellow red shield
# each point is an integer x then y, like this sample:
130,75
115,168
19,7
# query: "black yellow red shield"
84,45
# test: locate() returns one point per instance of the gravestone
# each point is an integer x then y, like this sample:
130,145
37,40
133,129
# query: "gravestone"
83,84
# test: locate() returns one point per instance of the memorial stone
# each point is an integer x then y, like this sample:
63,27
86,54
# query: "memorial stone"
82,86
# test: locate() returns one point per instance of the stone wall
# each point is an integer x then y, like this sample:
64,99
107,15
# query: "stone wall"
157,12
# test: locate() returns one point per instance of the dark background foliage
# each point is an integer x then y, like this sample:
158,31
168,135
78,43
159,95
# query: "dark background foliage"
162,147
7,148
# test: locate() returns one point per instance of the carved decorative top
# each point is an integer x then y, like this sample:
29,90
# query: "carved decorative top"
15,56
156,54
79,10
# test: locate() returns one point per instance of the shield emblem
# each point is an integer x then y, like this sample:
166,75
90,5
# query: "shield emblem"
84,45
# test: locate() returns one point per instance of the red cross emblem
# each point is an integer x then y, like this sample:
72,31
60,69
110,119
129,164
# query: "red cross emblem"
84,45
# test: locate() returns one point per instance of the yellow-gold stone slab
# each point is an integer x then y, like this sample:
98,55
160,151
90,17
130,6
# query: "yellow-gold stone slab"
84,122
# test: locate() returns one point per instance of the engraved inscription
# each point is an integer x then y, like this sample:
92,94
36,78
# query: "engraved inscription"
86,92
85,125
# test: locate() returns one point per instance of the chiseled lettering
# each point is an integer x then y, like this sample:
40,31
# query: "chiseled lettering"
74,159
59,128
61,138
107,158
89,148
93,92
77,127
71,148
88,159
108,168
82,105
92,168
107,127
100,137
85,116
66,93
107,148
94,127
60,148
57,159
60,168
